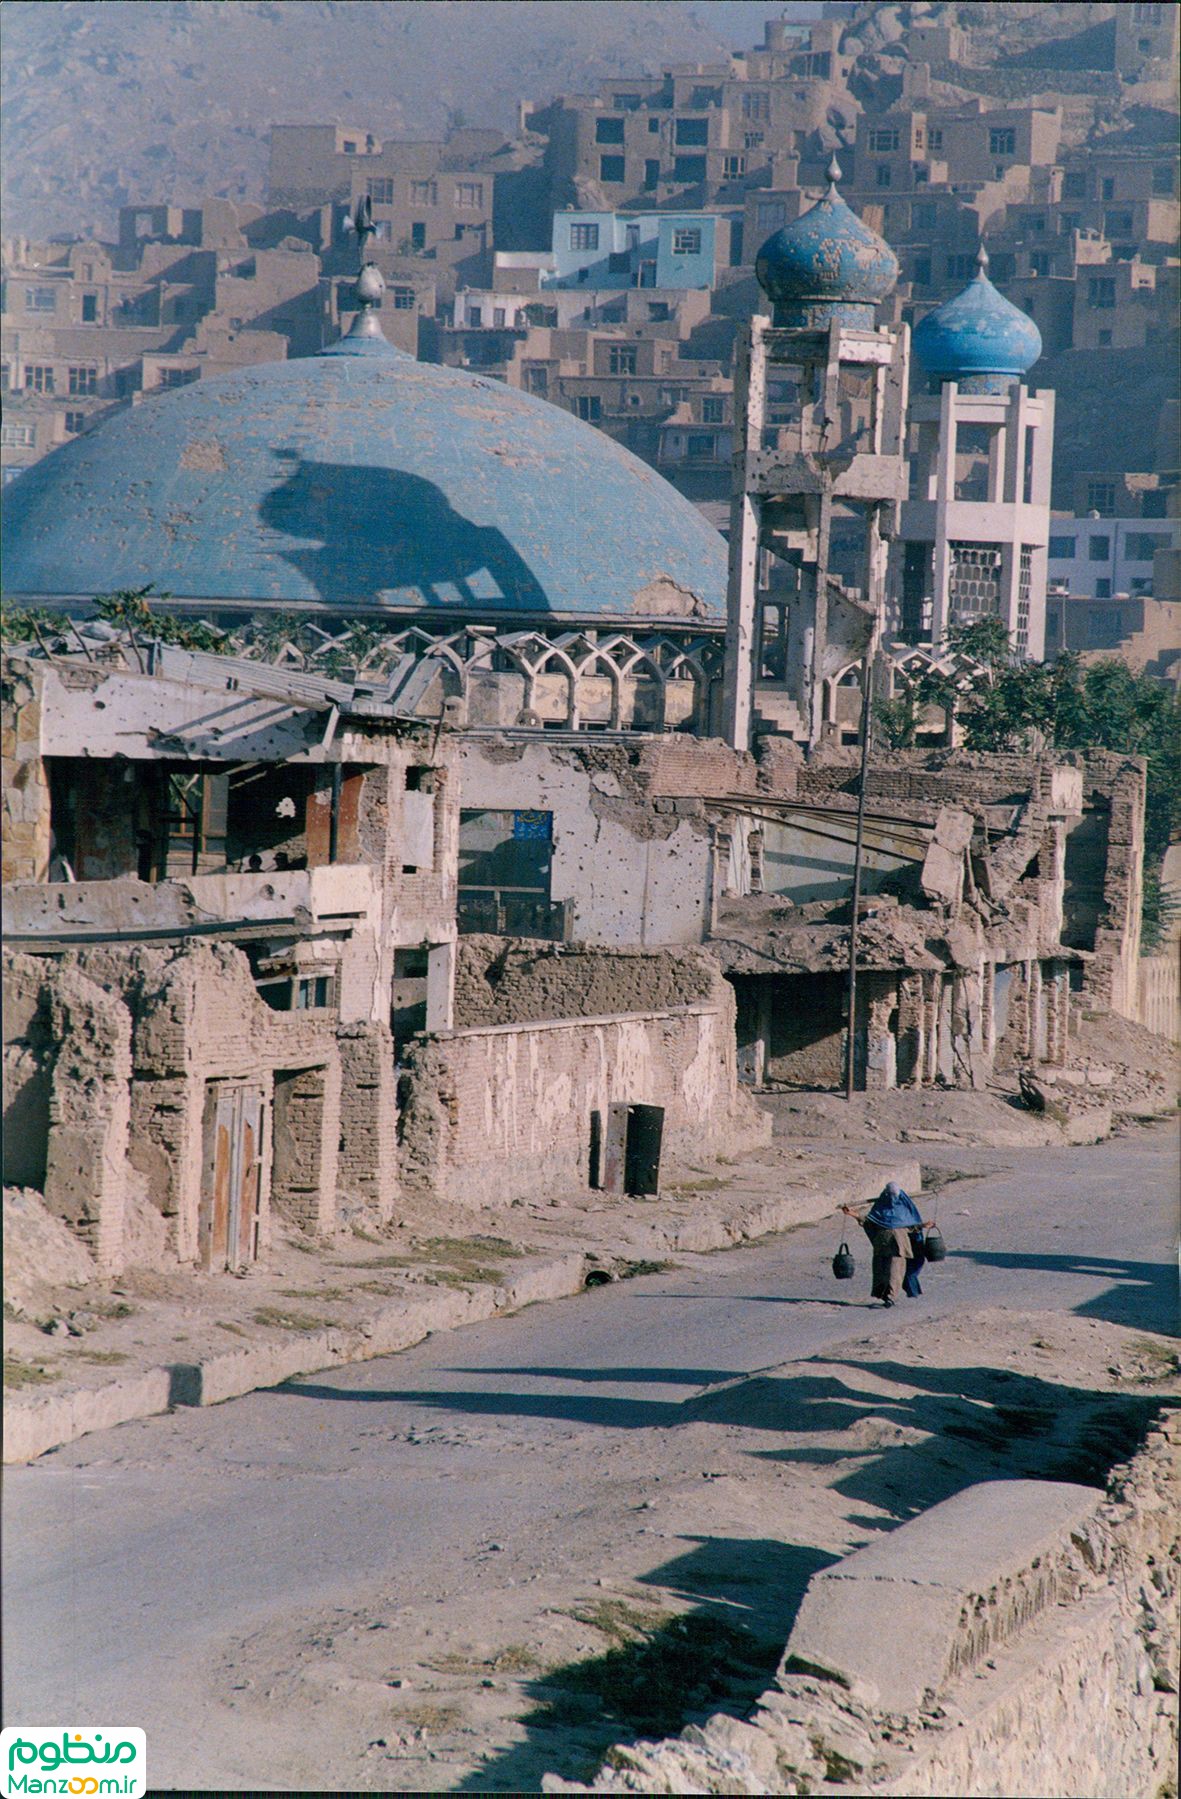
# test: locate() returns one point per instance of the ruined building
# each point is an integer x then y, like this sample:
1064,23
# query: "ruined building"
844,379
231,883
432,908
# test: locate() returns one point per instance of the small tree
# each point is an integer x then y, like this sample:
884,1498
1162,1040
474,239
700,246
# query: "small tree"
130,609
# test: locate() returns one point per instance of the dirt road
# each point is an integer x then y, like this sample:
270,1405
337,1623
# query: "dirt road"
500,1551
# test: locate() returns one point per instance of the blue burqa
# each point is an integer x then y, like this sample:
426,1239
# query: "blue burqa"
894,1210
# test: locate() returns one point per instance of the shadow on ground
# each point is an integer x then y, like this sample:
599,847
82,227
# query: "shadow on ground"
1141,1294
659,1671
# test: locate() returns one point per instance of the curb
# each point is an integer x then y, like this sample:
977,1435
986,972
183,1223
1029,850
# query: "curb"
32,1427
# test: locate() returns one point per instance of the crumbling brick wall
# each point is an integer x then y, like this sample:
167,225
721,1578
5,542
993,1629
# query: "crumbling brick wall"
24,785
197,1019
63,1032
509,982
367,1172
506,1111
1117,783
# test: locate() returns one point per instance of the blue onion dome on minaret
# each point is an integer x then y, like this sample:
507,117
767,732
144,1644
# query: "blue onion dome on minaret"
826,265
979,340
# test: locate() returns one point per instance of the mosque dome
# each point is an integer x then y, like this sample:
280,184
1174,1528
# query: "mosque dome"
827,264
979,339
362,478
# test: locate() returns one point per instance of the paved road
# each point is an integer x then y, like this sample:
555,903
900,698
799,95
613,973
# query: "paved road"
151,1541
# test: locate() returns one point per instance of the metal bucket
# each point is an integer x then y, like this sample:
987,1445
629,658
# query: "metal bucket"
934,1248
843,1265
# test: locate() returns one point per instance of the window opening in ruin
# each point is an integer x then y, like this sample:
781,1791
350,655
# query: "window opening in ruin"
973,449
917,592
505,868
408,995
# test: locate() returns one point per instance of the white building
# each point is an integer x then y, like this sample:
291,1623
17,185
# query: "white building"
1098,558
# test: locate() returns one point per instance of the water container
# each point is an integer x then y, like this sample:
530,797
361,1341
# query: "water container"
934,1248
843,1265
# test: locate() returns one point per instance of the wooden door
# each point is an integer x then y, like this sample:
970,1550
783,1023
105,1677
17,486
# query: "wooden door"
231,1185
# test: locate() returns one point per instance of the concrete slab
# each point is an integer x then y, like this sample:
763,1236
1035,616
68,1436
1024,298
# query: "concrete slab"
950,1585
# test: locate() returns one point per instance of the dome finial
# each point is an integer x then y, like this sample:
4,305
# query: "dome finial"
981,264
370,285
833,173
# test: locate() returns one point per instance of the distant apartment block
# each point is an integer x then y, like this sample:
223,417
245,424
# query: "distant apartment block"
1102,558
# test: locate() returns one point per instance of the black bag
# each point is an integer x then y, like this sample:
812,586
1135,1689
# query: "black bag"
934,1248
843,1265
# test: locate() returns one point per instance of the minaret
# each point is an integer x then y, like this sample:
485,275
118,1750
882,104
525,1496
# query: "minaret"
840,380
975,537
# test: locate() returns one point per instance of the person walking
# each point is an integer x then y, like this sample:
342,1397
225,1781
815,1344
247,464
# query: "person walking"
895,1231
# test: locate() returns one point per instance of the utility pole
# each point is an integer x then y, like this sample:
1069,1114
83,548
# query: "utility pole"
866,717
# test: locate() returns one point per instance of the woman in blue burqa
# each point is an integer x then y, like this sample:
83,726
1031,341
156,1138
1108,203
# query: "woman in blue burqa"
895,1230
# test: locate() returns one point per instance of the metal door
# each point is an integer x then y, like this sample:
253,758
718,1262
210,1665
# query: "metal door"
231,1186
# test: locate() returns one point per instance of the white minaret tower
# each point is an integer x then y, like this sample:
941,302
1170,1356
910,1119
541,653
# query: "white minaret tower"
974,540
840,381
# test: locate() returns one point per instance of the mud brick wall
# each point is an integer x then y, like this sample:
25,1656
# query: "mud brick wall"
703,766
1110,980
366,1178
502,1112
67,1069
499,982
197,1018
1158,993
304,1152
24,788
950,778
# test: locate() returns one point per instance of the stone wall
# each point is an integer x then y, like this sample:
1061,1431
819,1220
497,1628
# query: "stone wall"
505,1112
1021,1638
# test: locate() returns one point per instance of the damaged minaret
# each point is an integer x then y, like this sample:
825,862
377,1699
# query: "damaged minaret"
973,541
839,380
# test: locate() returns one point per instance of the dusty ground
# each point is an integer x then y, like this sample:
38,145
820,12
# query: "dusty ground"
549,1651
66,1329
514,1546
78,1331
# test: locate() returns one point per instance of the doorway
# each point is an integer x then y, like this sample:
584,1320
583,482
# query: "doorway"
228,1219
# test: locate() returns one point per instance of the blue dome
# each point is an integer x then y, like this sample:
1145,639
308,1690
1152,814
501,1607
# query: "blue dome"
827,264
979,339
362,478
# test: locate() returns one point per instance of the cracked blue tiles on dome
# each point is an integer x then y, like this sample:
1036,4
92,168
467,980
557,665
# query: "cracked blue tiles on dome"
828,264
361,478
980,340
